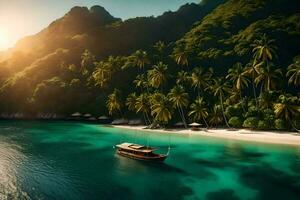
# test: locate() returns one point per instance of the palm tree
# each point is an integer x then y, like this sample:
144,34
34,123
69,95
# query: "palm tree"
143,105
294,72
182,78
199,110
287,108
114,103
160,47
238,77
216,117
251,71
141,58
137,59
266,99
264,49
180,54
234,96
87,62
162,110
140,81
131,102
179,98
102,74
158,75
267,77
219,88
200,79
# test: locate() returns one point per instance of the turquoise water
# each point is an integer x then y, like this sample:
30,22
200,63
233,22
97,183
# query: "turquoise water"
63,160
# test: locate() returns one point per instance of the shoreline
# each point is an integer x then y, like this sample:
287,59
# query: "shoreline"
269,137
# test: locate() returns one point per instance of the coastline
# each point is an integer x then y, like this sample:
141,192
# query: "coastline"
270,137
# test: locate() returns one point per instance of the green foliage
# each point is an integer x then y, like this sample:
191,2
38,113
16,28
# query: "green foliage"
269,118
280,124
235,110
252,112
199,112
251,122
262,125
236,122
294,71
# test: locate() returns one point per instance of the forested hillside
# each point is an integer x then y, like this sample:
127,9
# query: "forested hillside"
233,63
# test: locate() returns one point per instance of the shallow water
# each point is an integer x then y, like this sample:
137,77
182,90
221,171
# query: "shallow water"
62,160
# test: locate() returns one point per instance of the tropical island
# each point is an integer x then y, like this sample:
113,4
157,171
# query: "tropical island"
108,102
228,64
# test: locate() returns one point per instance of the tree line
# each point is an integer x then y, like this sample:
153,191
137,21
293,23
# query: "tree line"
167,88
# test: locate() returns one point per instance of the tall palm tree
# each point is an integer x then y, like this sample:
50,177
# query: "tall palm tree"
131,102
158,75
294,72
216,117
114,102
162,110
179,98
264,49
287,108
251,71
199,110
219,88
238,77
180,54
102,74
267,76
200,79
142,105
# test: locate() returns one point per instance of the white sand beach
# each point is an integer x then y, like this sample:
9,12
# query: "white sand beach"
273,137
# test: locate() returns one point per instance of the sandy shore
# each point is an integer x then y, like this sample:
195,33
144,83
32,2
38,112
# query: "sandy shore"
287,138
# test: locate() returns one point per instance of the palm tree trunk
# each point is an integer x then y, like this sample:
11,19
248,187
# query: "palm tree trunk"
205,122
223,112
182,115
261,88
145,119
254,92
147,116
293,126
242,102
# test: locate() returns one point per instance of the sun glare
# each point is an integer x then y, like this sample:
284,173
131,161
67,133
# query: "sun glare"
4,40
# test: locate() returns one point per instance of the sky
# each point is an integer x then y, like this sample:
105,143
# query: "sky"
19,18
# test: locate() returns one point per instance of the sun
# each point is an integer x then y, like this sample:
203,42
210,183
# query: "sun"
4,40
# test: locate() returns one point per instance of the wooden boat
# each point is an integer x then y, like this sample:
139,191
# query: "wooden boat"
139,152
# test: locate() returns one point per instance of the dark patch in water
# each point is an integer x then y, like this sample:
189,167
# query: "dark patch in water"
178,192
271,183
254,154
295,164
214,164
224,194
240,154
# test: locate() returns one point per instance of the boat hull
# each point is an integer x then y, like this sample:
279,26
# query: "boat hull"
156,157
